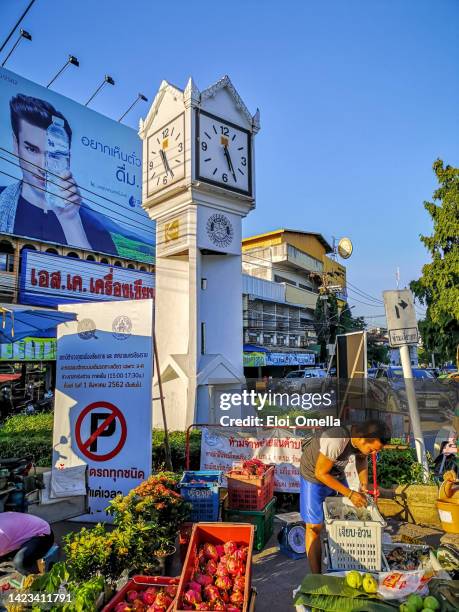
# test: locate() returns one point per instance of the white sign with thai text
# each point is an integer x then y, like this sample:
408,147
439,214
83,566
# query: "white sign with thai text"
103,408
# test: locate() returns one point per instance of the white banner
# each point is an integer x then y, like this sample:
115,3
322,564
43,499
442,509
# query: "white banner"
221,449
103,409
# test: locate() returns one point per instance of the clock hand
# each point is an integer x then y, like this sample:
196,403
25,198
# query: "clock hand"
166,163
230,163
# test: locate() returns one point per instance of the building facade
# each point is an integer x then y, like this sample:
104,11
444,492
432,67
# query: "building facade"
292,269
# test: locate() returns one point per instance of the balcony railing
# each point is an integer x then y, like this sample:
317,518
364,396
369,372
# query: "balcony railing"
286,253
295,295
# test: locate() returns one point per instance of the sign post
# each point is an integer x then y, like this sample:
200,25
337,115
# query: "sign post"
403,330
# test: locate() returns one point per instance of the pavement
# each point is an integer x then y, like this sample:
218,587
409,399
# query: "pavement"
274,575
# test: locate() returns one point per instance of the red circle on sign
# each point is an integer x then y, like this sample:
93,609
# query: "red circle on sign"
83,446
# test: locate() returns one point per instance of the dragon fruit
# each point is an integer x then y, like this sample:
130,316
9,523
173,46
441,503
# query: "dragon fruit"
192,597
186,606
211,592
234,566
194,586
232,608
224,582
170,590
230,547
218,604
149,597
203,605
201,558
203,579
211,567
210,551
225,596
237,598
220,550
131,595
241,553
222,570
163,600
239,583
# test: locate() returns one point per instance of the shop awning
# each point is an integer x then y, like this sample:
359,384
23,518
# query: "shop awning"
18,322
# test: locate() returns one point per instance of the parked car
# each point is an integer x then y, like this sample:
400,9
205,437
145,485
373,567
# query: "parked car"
299,381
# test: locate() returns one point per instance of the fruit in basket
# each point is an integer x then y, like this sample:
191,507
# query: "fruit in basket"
192,597
203,605
211,567
239,583
241,553
218,604
222,570
234,566
220,550
149,596
369,584
211,592
237,598
123,606
171,590
431,603
230,548
203,579
354,579
224,582
210,552
132,595
414,602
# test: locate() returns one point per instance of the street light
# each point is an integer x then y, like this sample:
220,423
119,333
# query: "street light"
139,97
22,34
107,79
72,60
5,42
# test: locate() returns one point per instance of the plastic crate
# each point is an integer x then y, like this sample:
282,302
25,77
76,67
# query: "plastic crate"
203,496
217,533
140,583
250,492
353,544
262,520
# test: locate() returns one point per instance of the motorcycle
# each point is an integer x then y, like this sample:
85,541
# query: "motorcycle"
16,483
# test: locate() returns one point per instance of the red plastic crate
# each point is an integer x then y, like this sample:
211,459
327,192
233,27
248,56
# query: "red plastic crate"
217,533
141,581
250,492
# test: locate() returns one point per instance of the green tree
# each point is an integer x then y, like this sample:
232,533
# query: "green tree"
438,287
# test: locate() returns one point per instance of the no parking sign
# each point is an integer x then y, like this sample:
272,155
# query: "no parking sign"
103,410
103,420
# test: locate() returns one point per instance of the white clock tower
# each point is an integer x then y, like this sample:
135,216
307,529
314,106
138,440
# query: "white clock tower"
198,184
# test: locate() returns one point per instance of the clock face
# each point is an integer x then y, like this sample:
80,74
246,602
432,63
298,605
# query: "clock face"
345,248
166,155
223,154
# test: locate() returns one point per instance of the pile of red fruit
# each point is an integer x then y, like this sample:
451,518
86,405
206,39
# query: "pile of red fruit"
152,599
218,582
251,467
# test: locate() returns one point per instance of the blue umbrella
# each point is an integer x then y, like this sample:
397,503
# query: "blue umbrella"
17,322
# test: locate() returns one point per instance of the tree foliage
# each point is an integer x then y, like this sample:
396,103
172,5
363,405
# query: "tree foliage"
438,287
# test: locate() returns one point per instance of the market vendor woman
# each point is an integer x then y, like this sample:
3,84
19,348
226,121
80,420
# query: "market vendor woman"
325,457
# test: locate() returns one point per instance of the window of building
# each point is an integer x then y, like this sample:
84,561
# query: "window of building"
6,256
118,264
73,254
282,279
52,251
90,258
104,260
143,268
307,287
131,266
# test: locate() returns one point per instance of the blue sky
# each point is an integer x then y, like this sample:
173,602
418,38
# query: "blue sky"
357,100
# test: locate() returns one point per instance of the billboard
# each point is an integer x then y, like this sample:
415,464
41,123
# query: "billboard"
48,280
69,175
103,405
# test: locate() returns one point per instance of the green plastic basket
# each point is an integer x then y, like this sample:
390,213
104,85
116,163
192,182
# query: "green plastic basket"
263,521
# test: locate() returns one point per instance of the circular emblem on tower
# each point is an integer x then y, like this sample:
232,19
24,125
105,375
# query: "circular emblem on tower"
220,230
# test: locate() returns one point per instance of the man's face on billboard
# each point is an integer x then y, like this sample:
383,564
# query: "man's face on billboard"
31,149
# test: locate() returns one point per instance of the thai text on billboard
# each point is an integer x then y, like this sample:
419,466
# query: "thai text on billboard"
48,280
69,175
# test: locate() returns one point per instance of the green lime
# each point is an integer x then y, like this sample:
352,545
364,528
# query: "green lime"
430,603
